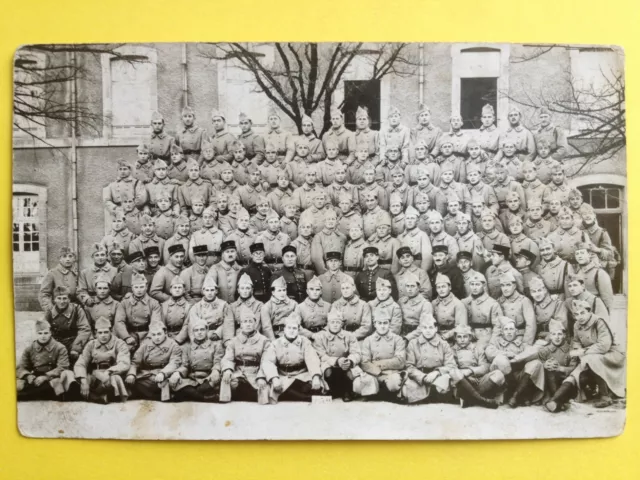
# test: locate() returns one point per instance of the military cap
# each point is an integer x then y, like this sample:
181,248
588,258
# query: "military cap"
421,197
555,325
197,322
393,111
472,143
368,250
279,282
463,330
206,145
395,199
442,144
333,143
440,248
422,108
42,324
464,254
163,195
98,247
187,110
192,163
177,248
527,254
226,168
135,256
101,277
209,282
153,250
543,142
362,112
477,199
422,143
534,202
155,116
118,213
544,111
138,278
335,315
368,166
435,215
345,197
66,251
61,290
314,282
545,242
156,325
243,117
487,213
452,197
256,247
441,278
183,220
142,148
245,279
488,110
473,167
428,319
123,163
511,219
393,145
227,245
243,213
501,249
210,210
514,109
384,221
504,321
507,277
252,168
579,304
463,217
146,219
382,282
348,279
116,247
582,246
273,111
403,250
565,211
217,113
289,248
177,280
536,282
576,277
306,118
102,323
333,256
411,211
477,277
159,163
397,171
294,318
176,149
411,279
512,196
301,141
283,174
356,226
288,205
200,250
556,167
336,111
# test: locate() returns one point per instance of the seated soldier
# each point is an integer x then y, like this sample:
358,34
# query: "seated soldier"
119,233
152,256
356,313
552,269
514,209
63,274
468,241
332,279
383,306
523,260
147,238
298,364
248,364
448,310
491,232
339,355
524,382
429,363
567,235
313,310
576,290
536,227
288,222
295,278
474,383
246,300
116,256
275,311
175,310
483,311
193,276
414,308
397,215
383,360
445,265
103,362
517,307
259,221
43,371
68,323
153,364
601,361
409,269
198,377
317,211
258,272
103,305
135,313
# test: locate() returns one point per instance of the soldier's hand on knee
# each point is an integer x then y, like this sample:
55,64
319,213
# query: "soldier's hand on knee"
431,377
40,380
160,377
175,379
130,380
30,379
84,388
226,376
214,378
20,384
316,384
261,383
277,385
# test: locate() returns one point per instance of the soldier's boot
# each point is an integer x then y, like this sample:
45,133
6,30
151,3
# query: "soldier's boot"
552,383
469,396
521,388
604,399
97,397
561,397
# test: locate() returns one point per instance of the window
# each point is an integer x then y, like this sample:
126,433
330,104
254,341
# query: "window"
129,91
28,75
26,233
362,93
479,74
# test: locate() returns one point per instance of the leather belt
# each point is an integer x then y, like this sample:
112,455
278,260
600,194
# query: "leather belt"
315,328
101,365
291,368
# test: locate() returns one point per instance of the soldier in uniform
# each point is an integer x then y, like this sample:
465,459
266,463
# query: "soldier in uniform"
63,274
469,241
519,241
177,169
252,194
288,223
408,271
439,237
397,215
277,136
354,311
195,186
180,237
175,310
365,136
103,362
303,196
474,383
253,143
383,306
518,308
536,227
161,184
313,310
302,244
425,132
119,233
567,235
546,307
160,288
442,264
274,241
198,377
463,262
246,300
395,134
477,188
191,135
193,276
503,184
544,162
596,280
153,364
345,139
258,272
599,241
533,187
135,312
243,236
332,279
143,169
353,258
417,240
488,134
295,278
483,311
348,214
103,306
552,269
414,307
225,273
279,307
374,214
125,185
339,353
448,310
499,266
43,370
523,260
521,137
423,175
554,135
430,361
386,245
318,210
558,187
576,290
152,257
160,142
165,218
366,279
147,238
116,256
221,140
86,280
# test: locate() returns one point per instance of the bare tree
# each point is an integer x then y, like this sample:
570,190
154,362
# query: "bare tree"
43,75
596,106
304,76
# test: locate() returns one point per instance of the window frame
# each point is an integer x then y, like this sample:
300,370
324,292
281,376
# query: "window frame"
41,193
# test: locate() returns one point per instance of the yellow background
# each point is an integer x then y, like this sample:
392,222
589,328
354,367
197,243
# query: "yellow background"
556,21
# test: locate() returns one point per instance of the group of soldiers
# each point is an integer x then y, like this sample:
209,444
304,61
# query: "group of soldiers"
405,265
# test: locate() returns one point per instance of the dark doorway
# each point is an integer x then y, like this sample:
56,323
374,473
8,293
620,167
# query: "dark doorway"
361,93
475,93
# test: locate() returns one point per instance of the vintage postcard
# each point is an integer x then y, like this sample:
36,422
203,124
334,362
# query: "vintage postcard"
320,241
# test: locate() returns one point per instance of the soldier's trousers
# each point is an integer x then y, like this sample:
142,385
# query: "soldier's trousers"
298,391
31,392
201,393
338,381
146,389
244,392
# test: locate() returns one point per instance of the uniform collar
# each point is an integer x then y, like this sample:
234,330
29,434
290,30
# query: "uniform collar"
181,301
425,127
490,128
545,302
518,129
192,129
65,313
548,128
435,341
198,181
106,268
246,134
160,135
106,346
106,301
65,271
144,300
48,346
220,133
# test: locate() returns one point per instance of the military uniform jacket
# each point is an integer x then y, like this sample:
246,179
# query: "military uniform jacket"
389,310
165,223
222,144
543,166
241,171
560,354
366,282
561,191
86,280
429,134
178,172
260,276
523,140
303,247
273,245
226,187
190,139
471,242
141,242
536,231
425,283
454,274
554,274
428,355
227,222
348,220
500,346
493,274
372,139
258,222
134,315
412,173
346,141
375,189
156,187
449,312
176,239
226,276
314,316
450,223
383,353
251,358
398,135
372,218
414,310
160,145
518,242
297,169
456,190
279,139
565,241
595,337
296,282
278,197
254,146
160,288
114,353
131,187
353,258
331,285
270,172
58,276
243,241
420,245
296,360
327,171
49,360
199,187
443,238
483,311
143,171
355,173
249,195
551,306
357,315
273,315
387,247
132,220
557,139
216,314
509,185
397,225
250,303
486,192
121,284
472,357
533,191
123,237
336,190
597,282
316,217
151,359
459,166
333,346
195,221
488,139
69,327
174,314
106,307
199,361
520,309
303,196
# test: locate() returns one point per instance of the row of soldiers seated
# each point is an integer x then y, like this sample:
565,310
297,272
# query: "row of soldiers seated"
514,351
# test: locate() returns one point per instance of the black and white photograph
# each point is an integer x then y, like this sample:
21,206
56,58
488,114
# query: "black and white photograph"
320,241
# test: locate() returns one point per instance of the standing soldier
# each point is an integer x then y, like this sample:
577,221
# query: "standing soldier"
160,143
415,308
193,276
425,132
103,306
536,227
468,241
302,244
125,186
222,140
567,235
488,134
555,135
546,307
483,311
121,284
353,258
417,240
276,134
395,134
143,169
521,137
246,300
596,280
86,280
147,238
160,288
459,142
208,235
448,310
552,269
225,273
258,273
243,236
365,136
295,278
408,270
175,310
600,242
316,149
190,138
161,184
332,279
345,139
329,239
119,234
63,274
254,144
195,186
386,245
355,312
383,306
440,238
518,308
273,241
